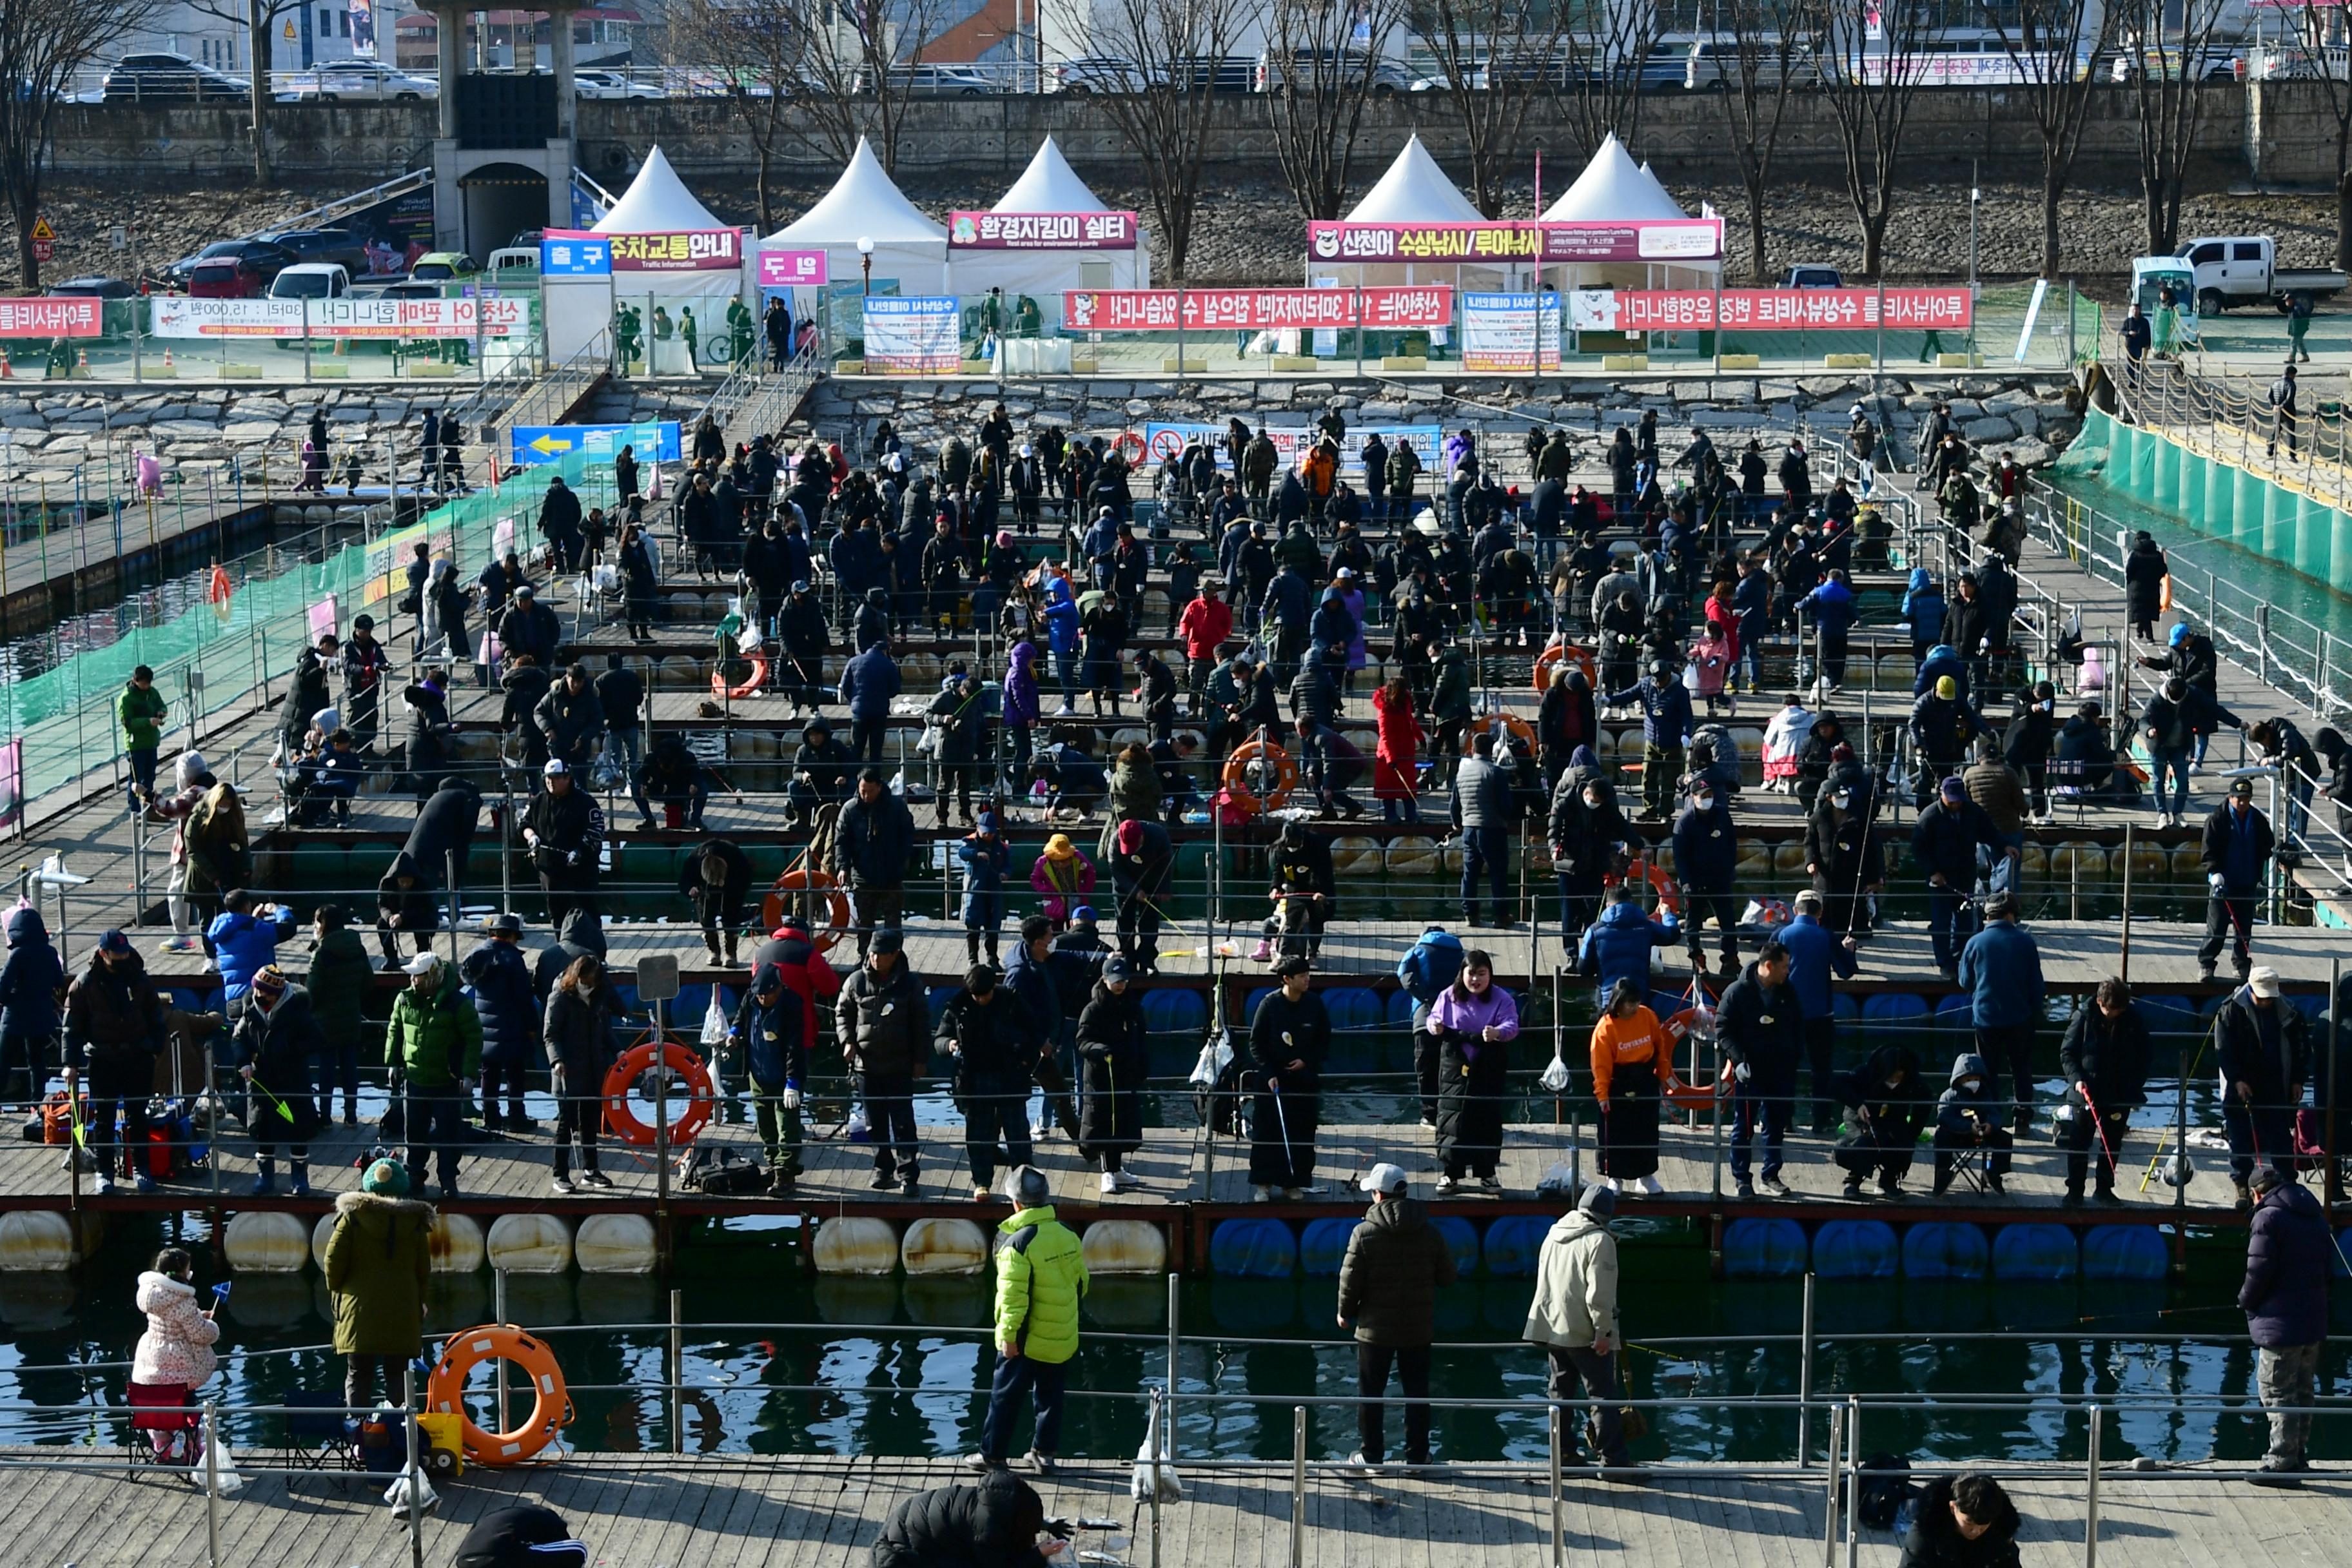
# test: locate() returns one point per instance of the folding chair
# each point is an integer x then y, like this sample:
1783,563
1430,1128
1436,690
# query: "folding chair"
319,1437
158,1412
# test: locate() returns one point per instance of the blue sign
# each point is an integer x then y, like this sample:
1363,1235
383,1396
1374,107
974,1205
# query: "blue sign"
655,440
575,258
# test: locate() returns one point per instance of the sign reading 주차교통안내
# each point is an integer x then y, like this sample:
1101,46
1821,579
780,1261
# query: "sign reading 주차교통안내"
654,440
1041,231
671,250
916,335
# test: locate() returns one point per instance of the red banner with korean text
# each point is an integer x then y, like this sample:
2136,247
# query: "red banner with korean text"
65,317
1253,310
1771,310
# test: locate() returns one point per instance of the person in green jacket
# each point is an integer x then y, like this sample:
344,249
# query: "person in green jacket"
378,1260
340,977
434,1047
1041,1277
140,711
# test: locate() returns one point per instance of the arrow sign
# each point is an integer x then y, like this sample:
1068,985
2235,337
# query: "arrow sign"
654,440
547,446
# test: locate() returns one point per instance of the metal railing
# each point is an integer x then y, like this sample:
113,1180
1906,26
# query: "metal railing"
2232,419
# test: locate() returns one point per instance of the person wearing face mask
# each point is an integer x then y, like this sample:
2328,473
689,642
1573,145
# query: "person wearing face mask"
276,1035
1845,859
768,1028
2026,742
1112,1060
1475,1022
2235,851
1707,857
880,1020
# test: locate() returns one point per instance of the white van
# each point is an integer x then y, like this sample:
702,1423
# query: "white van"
515,258
311,280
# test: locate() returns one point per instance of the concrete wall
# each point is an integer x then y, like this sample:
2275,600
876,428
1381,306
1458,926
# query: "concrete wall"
2281,134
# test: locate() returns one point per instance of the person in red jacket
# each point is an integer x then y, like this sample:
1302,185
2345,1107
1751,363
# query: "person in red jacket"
806,971
1204,625
1396,755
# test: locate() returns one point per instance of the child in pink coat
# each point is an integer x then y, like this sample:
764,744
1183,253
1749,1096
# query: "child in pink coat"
177,1348
1711,658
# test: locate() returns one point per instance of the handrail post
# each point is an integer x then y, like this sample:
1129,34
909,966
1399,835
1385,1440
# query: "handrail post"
2091,1495
415,1477
676,1372
1829,1492
1804,1380
1298,1486
498,1315
1558,1511
1175,1326
211,1484
1854,1481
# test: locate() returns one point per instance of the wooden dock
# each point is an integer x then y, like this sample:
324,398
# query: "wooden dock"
748,1510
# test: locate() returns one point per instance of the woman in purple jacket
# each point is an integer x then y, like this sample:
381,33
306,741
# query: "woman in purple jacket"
1474,1021
1020,699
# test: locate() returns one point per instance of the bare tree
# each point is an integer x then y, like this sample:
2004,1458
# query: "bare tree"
42,44
2053,46
1872,57
1605,50
853,76
2166,86
763,46
1489,55
2337,91
1760,71
1324,61
1162,95
259,20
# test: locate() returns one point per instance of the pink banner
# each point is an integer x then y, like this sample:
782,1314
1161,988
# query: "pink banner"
674,250
792,268
58,318
1648,240
1253,309
323,617
1769,310
1041,231
12,785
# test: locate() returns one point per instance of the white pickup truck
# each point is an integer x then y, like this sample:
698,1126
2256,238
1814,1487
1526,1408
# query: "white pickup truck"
2243,269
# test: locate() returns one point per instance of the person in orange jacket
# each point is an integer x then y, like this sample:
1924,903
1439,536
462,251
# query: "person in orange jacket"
1632,1060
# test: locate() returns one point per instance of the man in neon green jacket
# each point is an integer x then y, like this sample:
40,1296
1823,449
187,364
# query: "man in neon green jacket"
139,710
1041,1277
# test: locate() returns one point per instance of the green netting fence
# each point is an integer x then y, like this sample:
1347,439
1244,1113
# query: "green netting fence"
217,659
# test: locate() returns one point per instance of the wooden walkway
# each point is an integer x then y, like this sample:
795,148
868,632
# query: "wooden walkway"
815,1511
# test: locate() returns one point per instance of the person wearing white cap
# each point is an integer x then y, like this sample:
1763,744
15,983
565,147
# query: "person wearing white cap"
2264,1050
1396,1263
565,829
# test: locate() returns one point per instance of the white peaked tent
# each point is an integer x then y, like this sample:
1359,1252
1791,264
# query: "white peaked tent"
1614,189
656,202
1049,185
910,251
1414,190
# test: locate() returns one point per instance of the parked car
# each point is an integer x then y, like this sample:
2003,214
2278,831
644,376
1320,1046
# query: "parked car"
399,288
359,81
2244,269
259,256
1812,274
927,82
514,260
228,277
442,266
1276,72
92,288
1219,73
1094,73
336,245
611,84
311,280
161,78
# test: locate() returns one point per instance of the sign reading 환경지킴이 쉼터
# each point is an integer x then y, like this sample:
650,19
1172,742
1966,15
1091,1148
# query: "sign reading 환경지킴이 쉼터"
1041,231
653,441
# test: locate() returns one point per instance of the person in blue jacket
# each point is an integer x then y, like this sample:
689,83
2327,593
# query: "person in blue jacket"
1617,945
1940,659
1832,610
1666,725
1751,599
30,987
985,858
1706,855
1967,1118
767,1028
1944,843
1922,607
1062,638
1427,968
2001,969
1040,980
1815,954
868,684
498,979
243,941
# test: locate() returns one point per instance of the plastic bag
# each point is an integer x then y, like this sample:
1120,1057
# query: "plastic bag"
1153,1476
224,1480
396,1495
714,1021
1215,1056
1555,1077
855,1129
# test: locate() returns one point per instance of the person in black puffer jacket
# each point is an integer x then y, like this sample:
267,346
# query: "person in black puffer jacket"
716,877
1113,1059
1964,1522
2284,1298
879,1021
995,1524
984,1029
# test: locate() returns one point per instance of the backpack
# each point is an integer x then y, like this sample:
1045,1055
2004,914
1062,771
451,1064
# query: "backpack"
718,1172
1882,1495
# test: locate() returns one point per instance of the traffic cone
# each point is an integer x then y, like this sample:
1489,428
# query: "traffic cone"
167,359
82,363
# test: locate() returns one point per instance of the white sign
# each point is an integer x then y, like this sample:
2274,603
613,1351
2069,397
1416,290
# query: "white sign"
181,316
912,336
1499,332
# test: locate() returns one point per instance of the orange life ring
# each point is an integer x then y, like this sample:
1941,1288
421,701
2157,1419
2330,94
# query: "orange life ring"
620,1117
1579,657
1519,729
718,687
1251,754
551,1407
1128,446
1670,896
1677,1092
837,918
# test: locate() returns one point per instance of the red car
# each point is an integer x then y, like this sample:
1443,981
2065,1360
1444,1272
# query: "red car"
237,269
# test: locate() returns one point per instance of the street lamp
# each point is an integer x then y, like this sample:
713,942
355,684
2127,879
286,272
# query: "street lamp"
865,262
